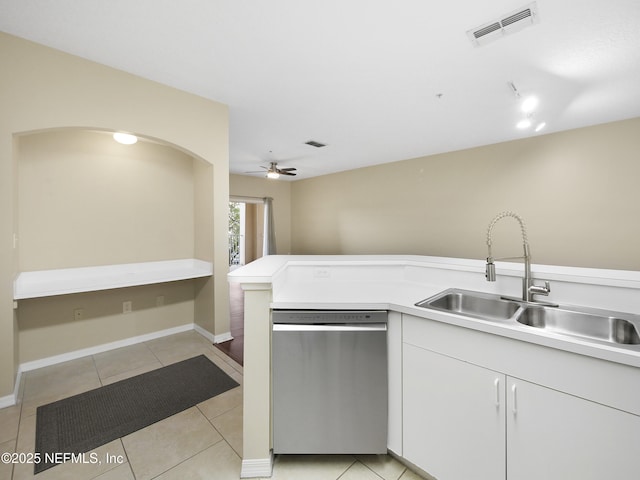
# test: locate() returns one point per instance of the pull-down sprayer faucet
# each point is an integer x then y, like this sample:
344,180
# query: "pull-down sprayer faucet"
528,288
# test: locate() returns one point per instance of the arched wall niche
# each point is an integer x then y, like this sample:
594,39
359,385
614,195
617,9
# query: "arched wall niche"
86,200
45,89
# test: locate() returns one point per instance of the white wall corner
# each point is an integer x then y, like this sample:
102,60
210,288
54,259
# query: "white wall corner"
205,333
7,401
257,467
223,337
10,400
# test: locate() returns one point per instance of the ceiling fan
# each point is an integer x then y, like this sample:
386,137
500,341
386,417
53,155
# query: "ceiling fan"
274,172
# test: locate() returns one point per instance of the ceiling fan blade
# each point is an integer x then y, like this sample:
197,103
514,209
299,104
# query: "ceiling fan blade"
273,168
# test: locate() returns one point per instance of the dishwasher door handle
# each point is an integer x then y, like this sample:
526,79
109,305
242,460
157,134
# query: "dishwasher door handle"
360,327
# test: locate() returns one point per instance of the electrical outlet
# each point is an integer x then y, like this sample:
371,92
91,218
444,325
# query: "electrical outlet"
78,314
127,307
159,300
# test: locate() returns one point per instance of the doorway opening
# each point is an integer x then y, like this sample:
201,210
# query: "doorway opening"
246,235
246,231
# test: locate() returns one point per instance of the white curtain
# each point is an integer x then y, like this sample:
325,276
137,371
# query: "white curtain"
269,242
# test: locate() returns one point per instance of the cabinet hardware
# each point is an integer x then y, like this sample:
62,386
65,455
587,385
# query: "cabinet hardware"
514,398
496,384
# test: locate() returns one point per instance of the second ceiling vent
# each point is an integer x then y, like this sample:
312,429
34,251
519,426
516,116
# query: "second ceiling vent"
509,23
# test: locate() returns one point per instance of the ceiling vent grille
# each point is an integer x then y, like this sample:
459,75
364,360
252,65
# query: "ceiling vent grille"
509,23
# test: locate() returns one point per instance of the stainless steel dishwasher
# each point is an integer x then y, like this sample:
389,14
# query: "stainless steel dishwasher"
329,381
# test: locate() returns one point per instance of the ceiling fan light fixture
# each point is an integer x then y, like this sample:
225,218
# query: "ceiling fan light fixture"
524,124
273,174
529,104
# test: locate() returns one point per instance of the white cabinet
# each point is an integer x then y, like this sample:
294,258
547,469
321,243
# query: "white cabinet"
463,420
454,415
556,436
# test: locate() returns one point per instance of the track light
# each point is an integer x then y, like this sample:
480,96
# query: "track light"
528,106
524,124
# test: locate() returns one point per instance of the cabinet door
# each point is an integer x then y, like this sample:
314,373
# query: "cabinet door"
454,417
556,436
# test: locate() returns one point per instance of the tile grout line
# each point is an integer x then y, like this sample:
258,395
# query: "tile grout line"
355,460
93,359
128,460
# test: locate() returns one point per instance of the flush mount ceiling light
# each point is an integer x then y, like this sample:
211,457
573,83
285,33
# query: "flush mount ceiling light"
125,138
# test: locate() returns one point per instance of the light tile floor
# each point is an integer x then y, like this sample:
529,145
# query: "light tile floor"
203,442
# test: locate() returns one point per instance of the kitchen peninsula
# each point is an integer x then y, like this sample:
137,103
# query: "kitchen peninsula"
519,357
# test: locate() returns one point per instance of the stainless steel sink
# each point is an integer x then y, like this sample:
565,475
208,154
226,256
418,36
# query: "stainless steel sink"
484,306
595,325
585,323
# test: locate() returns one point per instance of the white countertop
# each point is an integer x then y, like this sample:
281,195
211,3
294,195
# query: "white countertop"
396,283
45,283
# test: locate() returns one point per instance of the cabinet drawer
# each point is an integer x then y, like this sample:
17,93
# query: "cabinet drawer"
601,381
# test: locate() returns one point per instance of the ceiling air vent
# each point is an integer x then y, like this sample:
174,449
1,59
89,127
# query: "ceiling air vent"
509,23
313,143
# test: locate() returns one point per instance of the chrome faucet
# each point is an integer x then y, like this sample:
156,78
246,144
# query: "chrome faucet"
528,288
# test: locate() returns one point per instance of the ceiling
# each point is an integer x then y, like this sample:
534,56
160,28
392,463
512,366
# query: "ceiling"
376,81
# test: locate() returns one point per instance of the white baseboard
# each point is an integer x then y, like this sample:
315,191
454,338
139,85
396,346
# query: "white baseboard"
105,347
10,400
223,337
205,333
257,467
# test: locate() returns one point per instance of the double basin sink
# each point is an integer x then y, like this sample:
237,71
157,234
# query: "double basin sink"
599,326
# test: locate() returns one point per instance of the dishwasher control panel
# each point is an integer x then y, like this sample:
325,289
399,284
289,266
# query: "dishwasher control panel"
324,317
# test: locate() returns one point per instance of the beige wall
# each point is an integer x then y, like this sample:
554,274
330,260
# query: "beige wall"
254,231
577,192
42,89
205,288
48,326
280,191
86,200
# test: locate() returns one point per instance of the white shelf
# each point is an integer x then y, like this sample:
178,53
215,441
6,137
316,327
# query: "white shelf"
46,283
